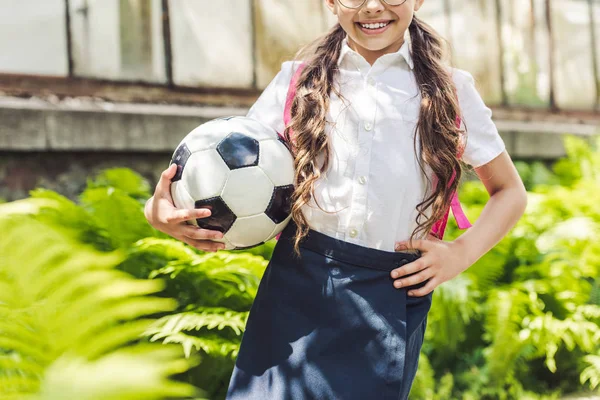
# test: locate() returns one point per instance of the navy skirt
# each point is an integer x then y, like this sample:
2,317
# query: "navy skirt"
330,325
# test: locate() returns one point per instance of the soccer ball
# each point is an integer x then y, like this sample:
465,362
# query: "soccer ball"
243,172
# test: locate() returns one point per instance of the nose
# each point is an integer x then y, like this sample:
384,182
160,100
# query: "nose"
374,6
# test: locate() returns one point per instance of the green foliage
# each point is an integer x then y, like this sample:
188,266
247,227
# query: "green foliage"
213,291
203,318
521,323
591,374
524,318
71,324
123,179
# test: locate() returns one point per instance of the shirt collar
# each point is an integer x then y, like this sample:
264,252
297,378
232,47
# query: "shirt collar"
404,52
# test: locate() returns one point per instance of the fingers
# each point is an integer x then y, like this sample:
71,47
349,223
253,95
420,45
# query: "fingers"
204,245
419,244
194,233
404,245
415,279
410,268
187,214
425,290
164,183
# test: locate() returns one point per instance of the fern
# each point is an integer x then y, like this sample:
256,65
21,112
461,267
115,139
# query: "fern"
213,345
64,215
506,310
216,279
454,306
591,373
209,318
172,329
71,325
118,214
124,179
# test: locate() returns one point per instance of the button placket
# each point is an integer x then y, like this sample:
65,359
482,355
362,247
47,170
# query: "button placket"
363,158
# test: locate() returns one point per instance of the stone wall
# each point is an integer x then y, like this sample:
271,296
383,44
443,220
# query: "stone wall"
67,172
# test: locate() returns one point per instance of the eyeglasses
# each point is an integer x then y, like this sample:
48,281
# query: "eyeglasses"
360,3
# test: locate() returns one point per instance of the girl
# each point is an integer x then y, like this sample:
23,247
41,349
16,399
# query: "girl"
341,310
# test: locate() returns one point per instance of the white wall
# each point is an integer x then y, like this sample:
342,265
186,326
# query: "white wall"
574,80
33,37
97,42
212,43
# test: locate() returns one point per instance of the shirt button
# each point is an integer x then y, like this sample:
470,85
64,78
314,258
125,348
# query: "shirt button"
371,81
362,180
353,233
368,126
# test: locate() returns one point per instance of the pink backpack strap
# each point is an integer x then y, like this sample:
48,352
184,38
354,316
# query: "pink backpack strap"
287,112
462,221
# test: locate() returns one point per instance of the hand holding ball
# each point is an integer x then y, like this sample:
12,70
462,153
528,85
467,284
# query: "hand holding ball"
243,172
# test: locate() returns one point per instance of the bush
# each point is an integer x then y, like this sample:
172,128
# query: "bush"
521,323
525,318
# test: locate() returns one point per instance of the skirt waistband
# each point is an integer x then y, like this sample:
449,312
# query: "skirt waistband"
350,253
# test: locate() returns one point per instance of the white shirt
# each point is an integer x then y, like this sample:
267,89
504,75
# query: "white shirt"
374,182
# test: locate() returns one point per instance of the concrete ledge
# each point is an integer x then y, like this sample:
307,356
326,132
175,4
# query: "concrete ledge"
83,124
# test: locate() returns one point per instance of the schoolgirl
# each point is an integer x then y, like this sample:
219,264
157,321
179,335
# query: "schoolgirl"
378,125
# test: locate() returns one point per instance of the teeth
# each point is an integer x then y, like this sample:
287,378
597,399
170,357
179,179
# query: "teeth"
375,26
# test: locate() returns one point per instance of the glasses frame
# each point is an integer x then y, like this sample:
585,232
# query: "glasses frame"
364,1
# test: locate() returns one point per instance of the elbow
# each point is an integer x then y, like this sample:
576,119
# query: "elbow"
523,199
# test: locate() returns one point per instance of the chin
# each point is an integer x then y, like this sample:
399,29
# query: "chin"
374,45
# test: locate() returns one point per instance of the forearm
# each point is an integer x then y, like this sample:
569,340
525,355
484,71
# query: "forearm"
500,214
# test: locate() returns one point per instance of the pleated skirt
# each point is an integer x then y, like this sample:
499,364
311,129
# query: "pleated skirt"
330,325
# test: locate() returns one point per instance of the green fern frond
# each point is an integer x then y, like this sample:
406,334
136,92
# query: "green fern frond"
168,249
202,317
486,272
506,309
211,344
125,179
215,279
117,213
63,214
591,373
75,330
455,303
595,292
120,375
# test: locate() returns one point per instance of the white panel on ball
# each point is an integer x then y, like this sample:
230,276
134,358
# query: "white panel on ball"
247,191
226,242
207,135
205,174
248,231
276,161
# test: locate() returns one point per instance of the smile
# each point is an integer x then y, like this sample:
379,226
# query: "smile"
374,28
378,25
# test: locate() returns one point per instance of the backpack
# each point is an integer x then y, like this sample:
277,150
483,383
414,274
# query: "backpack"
439,227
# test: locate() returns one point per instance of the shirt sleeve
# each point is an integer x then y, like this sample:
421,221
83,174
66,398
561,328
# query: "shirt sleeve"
270,105
483,142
